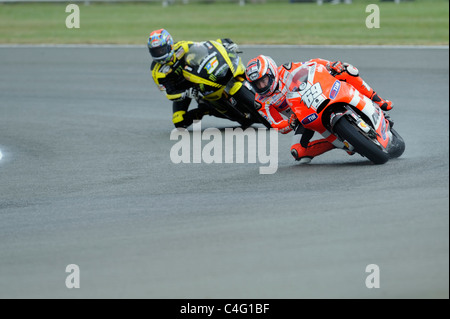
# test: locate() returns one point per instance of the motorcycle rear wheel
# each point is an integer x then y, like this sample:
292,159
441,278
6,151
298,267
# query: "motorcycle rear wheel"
246,99
362,144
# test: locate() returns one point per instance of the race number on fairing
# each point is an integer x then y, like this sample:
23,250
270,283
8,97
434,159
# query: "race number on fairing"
312,95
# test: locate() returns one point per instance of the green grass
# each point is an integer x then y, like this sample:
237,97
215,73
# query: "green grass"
420,22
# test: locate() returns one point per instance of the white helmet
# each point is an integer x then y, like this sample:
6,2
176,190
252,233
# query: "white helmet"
262,73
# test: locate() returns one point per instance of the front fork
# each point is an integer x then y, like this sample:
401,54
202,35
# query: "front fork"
358,122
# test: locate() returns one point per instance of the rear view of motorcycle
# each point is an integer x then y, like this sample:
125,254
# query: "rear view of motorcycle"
218,75
342,115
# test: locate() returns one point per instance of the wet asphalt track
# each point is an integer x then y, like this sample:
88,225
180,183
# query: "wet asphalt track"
86,179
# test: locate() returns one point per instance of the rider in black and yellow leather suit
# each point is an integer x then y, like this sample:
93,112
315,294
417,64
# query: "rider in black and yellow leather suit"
167,72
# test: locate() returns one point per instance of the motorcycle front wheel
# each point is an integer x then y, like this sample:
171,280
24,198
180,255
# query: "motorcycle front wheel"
362,144
398,145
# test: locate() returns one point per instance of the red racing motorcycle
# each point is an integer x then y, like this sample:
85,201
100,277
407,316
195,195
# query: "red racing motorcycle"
342,115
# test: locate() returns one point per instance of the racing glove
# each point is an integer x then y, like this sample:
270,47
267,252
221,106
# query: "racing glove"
336,67
192,93
293,121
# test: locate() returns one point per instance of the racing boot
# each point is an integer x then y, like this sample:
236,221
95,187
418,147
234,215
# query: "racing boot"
385,105
315,148
183,119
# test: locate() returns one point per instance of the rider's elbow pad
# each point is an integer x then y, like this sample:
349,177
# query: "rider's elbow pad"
353,71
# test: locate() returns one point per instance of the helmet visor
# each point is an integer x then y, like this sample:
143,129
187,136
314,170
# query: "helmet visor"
262,85
161,53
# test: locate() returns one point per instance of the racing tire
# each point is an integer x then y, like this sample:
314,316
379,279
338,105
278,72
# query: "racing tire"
398,145
362,144
246,98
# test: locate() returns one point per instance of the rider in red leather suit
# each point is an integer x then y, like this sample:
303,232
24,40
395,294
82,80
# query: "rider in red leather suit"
272,84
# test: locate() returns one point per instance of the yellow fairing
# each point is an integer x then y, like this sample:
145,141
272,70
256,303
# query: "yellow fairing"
236,86
241,68
214,96
224,53
237,73
201,81
177,117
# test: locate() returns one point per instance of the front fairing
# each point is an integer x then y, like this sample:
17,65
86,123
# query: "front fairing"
207,61
238,68
317,95
211,67
309,91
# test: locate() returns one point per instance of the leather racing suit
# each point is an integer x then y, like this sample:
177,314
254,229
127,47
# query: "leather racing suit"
169,79
277,111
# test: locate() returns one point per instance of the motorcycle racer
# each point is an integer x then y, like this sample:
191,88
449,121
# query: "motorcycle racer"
272,84
167,72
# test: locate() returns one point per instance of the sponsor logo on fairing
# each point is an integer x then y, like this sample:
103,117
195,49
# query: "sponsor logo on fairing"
335,89
205,60
309,119
232,101
212,65
383,130
222,70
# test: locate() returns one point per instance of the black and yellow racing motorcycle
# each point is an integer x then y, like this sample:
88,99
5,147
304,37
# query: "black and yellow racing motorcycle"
219,75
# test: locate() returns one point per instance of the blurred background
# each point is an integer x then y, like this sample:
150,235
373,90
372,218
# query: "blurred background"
412,22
